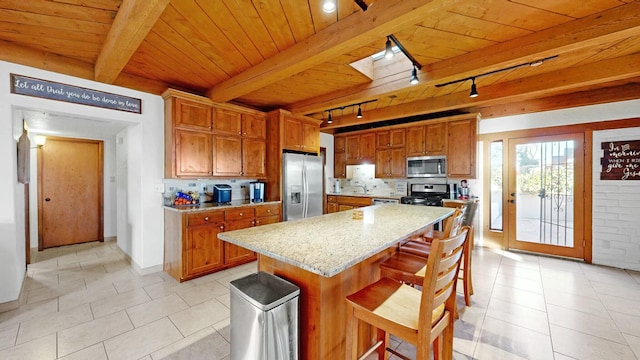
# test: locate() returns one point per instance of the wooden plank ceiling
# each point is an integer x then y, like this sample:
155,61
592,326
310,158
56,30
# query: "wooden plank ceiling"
269,54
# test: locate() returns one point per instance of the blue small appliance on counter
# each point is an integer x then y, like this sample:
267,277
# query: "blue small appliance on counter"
222,193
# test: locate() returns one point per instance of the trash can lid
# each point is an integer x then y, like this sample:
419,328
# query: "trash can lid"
265,290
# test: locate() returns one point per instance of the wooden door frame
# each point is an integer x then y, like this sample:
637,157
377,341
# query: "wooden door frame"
495,238
579,198
100,144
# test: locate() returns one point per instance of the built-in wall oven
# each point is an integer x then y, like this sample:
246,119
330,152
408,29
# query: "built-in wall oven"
426,167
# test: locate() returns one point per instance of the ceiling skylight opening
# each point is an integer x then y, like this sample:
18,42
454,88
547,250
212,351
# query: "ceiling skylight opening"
380,55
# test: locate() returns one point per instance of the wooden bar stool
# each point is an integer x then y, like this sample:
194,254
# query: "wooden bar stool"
422,247
419,317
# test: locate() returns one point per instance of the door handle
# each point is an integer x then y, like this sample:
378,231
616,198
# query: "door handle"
47,199
512,201
513,194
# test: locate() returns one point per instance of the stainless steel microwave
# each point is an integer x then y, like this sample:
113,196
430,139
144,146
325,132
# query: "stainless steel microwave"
426,166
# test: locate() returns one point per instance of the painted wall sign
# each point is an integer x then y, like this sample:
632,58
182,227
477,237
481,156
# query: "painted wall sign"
29,86
621,160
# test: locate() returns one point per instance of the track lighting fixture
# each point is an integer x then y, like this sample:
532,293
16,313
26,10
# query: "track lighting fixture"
358,115
416,65
329,6
388,50
414,76
474,90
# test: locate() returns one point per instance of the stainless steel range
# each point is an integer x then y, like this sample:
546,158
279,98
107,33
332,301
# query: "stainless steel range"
430,194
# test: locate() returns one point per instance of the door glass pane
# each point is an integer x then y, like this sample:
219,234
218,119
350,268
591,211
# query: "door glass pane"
495,209
544,196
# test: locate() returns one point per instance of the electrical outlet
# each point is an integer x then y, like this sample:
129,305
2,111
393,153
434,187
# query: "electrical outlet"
158,188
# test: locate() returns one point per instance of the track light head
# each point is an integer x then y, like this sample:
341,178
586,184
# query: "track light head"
359,116
414,76
329,118
329,6
388,50
474,90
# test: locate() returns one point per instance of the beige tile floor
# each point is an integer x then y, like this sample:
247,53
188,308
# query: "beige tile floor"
87,302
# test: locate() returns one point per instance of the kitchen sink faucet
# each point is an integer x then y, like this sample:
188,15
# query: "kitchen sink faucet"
364,187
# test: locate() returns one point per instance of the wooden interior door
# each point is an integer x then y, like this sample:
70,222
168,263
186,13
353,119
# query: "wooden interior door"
546,195
70,192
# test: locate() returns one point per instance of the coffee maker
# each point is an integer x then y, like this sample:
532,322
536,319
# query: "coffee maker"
256,192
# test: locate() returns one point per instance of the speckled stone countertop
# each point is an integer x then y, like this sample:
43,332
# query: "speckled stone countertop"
216,206
331,243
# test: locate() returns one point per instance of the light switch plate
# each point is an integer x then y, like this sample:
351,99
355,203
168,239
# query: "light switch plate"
158,188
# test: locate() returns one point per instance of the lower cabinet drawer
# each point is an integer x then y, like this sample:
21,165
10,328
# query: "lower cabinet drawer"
267,210
204,217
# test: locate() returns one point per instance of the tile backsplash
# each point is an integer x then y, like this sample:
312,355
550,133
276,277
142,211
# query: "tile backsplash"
239,188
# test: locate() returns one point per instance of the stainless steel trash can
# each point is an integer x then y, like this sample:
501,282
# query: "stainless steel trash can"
264,318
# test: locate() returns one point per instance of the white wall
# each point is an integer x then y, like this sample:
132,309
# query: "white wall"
616,210
144,244
616,204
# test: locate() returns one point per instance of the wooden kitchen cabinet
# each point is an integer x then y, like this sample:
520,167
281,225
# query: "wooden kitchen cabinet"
339,157
204,140
191,246
193,155
235,156
286,132
191,114
337,203
423,140
392,138
235,219
301,135
391,163
360,148
461,148
191,243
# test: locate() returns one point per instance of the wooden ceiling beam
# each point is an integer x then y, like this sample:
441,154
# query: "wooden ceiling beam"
615,24
63,65
133,22
382,18
543,85
44,60
628,91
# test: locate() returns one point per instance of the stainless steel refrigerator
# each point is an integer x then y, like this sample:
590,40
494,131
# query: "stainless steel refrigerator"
302,186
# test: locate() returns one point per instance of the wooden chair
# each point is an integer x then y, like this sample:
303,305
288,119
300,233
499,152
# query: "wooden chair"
422,247
418,317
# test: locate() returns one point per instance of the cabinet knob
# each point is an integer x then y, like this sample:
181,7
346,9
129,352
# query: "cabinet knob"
206,218
241,214
221,227
269,210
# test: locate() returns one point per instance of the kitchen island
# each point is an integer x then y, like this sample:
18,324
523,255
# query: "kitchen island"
329,257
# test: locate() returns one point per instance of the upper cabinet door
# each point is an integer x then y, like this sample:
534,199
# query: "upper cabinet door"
227,155
435,141
254,126
193,154
415,141
292,133
192,114
461,154
310,137
227,121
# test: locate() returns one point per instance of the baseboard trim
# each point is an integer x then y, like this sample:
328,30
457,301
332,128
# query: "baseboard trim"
14,304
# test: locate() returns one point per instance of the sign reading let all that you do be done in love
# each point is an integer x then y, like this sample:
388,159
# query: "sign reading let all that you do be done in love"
25,85
621,160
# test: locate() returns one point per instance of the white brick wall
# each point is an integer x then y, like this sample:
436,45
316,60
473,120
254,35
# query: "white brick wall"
616,210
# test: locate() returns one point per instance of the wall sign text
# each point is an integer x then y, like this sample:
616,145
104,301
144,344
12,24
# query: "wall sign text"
621,160
29,86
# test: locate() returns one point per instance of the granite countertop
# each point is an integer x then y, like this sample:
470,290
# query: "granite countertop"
216,206
331,243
